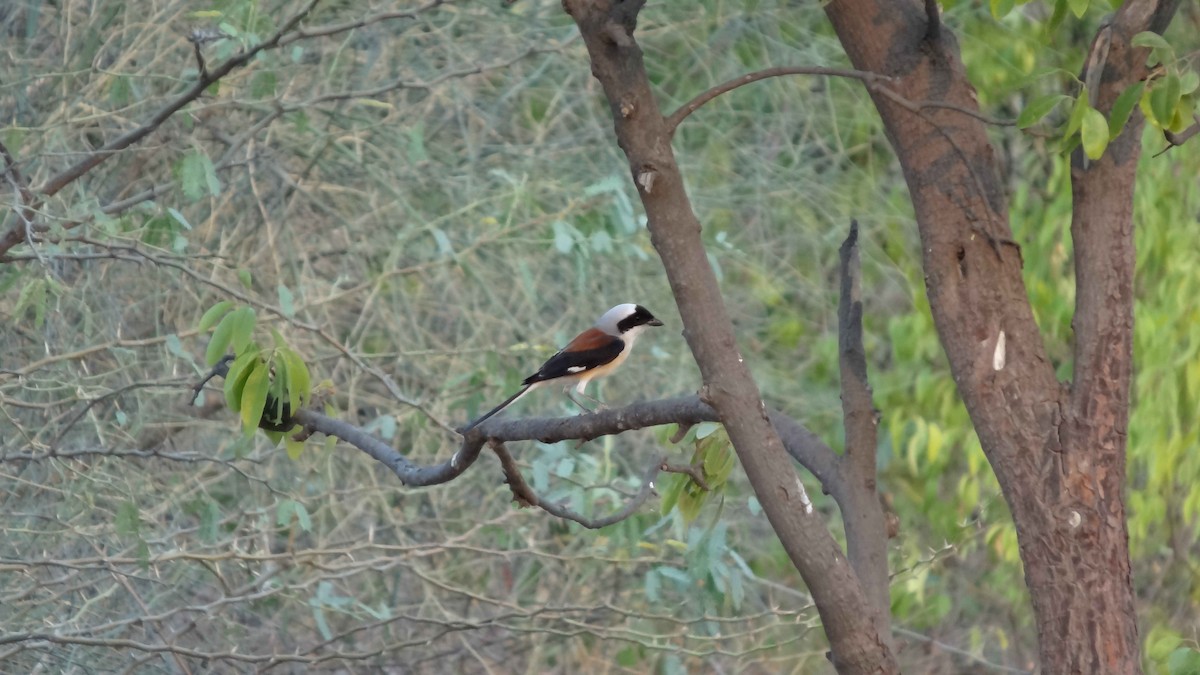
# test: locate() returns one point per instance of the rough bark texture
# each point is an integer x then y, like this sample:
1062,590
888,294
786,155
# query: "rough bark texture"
866,531
1058,451
607,28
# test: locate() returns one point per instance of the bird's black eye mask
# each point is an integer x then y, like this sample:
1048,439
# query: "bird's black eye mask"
640,317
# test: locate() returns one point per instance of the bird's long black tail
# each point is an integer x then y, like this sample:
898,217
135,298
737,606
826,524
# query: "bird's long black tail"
507,402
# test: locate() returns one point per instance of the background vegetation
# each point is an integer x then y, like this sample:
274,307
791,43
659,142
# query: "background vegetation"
426,207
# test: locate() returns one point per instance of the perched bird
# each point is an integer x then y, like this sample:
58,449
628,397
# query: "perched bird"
595,352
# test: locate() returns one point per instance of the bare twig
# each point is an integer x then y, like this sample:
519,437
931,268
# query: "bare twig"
525,495
691,106
56,183
205,80
334,29
1175,140
696,471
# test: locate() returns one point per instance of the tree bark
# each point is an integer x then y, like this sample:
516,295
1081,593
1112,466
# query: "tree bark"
1058,451
607,27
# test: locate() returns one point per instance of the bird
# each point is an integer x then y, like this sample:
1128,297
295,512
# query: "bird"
595,352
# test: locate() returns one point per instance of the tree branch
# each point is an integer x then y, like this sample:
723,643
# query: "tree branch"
643,134
862,514
685,411
334,29
691,106
525,496
205,80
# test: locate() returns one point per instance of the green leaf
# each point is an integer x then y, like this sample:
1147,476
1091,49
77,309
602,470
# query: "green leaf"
1094,133
1184,661
197,176
1076,118
302,517
1163,98
1079,7
120,91
1057,16
277,392
244,277
294,448
219,343
300,383
416,144
235,379
564,241
1001,8
244,319
179,218
1189,82
1152,40
1039,108
287,303
1183,116
264,83
1122,108
628,657
175,347
671,494
689,504
254,397
283,512
128,521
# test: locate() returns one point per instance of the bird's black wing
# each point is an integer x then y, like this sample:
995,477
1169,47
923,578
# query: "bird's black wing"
566,363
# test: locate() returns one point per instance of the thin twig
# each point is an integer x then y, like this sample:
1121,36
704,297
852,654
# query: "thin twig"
696,471
334,29
525,495
1177,139
691,106
56,183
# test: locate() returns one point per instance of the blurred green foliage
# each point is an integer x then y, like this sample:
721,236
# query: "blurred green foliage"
431,199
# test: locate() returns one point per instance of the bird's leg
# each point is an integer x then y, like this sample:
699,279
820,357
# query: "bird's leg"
579,390
574,400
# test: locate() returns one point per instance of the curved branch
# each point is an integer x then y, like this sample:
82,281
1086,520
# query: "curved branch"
525,496
691,106
334,29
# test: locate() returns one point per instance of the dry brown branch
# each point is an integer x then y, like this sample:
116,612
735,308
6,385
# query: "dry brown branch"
525,496
673,120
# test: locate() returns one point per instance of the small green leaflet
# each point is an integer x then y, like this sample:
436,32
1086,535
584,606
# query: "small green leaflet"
1094,133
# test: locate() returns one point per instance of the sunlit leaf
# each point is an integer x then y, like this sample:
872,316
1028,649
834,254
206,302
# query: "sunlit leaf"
1039,108
1076,119
243,320
1094,133
221,337
235,379
299,382
1152,40
254,397
1163,98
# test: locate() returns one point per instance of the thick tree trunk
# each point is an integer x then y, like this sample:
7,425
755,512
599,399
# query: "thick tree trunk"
607,27
1058,451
